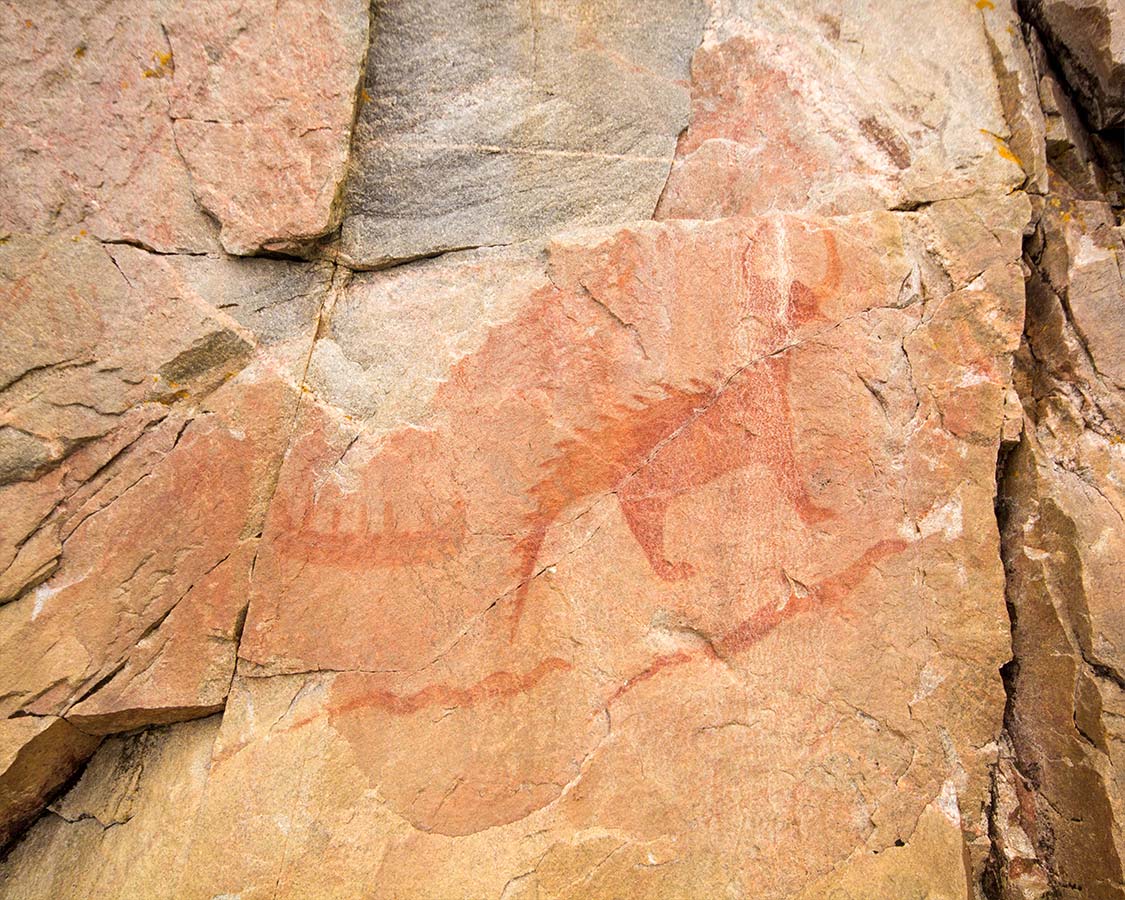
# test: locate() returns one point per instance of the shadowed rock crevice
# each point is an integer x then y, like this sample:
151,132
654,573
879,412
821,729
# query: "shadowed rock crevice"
1087,44
1056,799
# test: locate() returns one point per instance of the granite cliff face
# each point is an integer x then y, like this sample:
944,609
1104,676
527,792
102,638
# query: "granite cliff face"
580,449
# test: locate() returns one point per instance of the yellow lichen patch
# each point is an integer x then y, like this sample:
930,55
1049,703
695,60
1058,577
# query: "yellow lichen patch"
1002,148
80,51
164,65
1068,212
985,4
364,97
169,399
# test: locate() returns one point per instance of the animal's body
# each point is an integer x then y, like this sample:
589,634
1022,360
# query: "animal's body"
652,451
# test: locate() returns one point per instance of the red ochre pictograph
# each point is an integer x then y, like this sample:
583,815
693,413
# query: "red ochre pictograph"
646,449
503,685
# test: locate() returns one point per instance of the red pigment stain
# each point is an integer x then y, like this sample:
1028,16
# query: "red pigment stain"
331,527
654,668
739,99
647,448
503,685
497,686
830,592
685,438
362,542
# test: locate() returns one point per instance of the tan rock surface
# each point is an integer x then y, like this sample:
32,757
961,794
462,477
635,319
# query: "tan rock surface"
139,791
91,366
731,507
931,865
39,755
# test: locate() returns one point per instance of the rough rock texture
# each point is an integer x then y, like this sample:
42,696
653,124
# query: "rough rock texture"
651,379
1088,39
140,791
688,462
87,138
262,103
489,122
1064,543
831,110
119,116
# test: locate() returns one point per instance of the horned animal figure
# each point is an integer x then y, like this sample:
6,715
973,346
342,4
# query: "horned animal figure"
682,438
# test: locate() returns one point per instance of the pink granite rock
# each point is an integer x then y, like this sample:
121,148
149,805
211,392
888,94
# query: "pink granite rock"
86,141
263,98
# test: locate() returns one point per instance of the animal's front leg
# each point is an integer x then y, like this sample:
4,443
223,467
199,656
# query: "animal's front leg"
645,515
772,404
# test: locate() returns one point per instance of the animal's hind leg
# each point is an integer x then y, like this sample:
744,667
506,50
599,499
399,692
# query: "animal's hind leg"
645,516
527,551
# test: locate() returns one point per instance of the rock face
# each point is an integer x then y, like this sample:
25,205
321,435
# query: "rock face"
238,110
88,142
1088,39
262,103
492,122
686,459
1063,535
